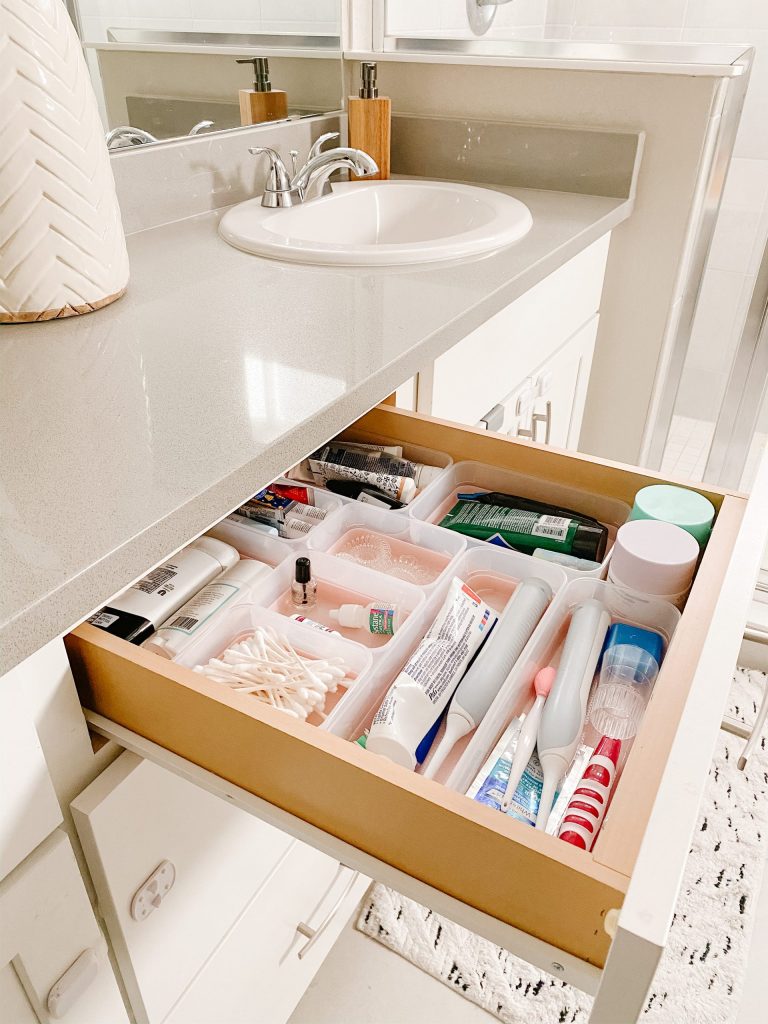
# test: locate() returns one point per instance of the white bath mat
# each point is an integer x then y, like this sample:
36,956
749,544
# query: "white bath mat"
702,969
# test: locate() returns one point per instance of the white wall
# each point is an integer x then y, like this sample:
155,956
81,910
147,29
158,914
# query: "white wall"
305,17
523,19
743,223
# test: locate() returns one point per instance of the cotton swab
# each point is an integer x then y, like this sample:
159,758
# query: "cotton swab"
267,666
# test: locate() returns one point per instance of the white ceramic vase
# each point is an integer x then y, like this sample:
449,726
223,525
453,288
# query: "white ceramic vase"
62,248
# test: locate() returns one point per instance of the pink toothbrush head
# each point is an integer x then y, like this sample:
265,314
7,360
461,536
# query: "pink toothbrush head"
542,684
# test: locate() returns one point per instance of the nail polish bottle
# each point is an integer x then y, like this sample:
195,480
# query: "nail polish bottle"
303,587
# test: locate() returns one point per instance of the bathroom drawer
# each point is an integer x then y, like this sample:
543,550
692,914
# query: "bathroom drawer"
511,874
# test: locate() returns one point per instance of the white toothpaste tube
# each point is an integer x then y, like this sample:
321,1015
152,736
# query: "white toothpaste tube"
396,477
419,695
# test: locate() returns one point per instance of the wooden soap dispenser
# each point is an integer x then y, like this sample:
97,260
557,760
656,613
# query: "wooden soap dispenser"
370,121
262,102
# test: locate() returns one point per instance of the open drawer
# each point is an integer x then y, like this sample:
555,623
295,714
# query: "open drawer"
508,875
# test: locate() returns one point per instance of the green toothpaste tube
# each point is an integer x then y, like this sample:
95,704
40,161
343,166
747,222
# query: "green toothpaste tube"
526,531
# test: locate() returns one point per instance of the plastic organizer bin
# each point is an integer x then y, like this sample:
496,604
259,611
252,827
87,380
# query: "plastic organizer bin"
413,452
433,550
332,503
340,582
498,573
252,543
516,696
243,618
440,496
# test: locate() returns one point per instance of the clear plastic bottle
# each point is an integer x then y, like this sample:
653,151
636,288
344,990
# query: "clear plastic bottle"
303,586
379,617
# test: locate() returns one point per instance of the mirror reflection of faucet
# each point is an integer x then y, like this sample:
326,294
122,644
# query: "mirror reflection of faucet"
127,135
283,190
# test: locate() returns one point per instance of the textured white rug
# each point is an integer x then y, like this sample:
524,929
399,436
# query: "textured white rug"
703,967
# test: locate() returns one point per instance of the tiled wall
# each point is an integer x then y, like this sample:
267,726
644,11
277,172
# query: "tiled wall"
306,17
523,19
743,223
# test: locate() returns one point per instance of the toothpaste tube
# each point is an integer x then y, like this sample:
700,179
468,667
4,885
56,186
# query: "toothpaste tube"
280,513
295,492
490,783
397,477
527,530
416,700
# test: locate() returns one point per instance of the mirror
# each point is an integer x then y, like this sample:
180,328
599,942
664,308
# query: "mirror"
164,69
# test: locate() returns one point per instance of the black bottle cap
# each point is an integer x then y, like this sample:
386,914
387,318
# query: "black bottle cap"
590,541
303,570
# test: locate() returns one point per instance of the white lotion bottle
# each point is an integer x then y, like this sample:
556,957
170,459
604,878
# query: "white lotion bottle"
135,614
489,671
177,632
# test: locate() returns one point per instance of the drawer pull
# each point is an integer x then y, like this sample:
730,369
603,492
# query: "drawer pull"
313,934
537,418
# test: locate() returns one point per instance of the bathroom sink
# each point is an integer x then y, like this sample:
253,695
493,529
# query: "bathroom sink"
381,223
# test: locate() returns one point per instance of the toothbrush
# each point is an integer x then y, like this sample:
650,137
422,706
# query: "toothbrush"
526,740
586,808
562,720
490,670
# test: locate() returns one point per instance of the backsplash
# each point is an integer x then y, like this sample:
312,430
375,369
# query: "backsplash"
160,184
563,159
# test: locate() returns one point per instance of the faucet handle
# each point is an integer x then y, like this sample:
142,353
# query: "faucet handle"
279,179
318,144
294,162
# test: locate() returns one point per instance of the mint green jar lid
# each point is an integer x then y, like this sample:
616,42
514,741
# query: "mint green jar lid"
687,509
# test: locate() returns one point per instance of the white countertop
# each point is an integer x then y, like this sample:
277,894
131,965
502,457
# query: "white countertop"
129,431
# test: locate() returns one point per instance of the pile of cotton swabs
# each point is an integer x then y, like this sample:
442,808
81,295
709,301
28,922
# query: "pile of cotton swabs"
267,666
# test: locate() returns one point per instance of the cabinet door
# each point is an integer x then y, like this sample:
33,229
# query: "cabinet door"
135,817
48,925
29,810
264,966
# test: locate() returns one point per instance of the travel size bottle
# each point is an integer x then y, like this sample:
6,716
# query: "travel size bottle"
303,587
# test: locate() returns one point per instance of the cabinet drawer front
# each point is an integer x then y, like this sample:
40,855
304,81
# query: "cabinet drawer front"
502,868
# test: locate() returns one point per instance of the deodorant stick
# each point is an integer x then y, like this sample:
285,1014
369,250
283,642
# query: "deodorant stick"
135,614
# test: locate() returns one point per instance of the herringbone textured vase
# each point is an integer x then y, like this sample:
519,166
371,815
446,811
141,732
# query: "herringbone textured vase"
62,249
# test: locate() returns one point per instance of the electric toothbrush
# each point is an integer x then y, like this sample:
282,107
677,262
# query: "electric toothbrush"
562,720
526,740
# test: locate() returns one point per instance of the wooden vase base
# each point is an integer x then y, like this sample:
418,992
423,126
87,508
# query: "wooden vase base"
32,317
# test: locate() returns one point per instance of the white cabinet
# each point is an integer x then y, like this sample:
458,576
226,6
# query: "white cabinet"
47,926
548,406
534,336
262,969
29,810
135,817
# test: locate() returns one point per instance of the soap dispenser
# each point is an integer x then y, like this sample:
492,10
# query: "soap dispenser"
262,102
370,120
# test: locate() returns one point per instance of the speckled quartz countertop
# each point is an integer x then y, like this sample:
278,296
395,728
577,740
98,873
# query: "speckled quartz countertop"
128,432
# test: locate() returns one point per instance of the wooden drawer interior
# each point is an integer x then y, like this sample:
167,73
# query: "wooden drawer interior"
503,868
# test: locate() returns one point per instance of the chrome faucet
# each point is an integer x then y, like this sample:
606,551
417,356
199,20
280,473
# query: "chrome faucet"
283,190
126,133
201,126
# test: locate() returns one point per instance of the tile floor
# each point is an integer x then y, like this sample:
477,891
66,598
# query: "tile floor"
687,447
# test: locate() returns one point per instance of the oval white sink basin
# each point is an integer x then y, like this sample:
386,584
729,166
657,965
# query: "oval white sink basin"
381,223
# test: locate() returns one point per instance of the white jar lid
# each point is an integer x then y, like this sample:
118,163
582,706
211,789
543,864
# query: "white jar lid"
654,557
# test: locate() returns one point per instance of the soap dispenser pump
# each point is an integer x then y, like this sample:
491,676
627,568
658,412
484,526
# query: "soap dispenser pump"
370,121
262,102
